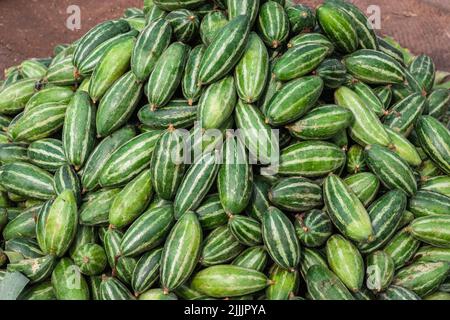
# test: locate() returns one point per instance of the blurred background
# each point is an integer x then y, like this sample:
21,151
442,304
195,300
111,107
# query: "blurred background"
31,28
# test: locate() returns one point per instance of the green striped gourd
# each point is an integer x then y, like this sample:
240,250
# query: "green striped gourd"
280,239
323,284
85,234
434,138
432,254
385,95
273,24
195,184
90,258
295,99
157,294
94,285
235,177
364,185
36,270
440,184
79,129
301,159
429,203
252,258
181,251
67,179
256,134
4,121
284,283
148,231
101,154
166,165
170,5
124,269
95,211
307,38
356,161
225,50
87,66
53,94
114,63
150,45
346,211
438,103
166,75
398,293
112,289
60,225
40,292
313,228
405,149
386,214
366,34
146,272
22,225
217,103
332,72
191,90
404,114
131,201
185,24
422,68
252,71
379,271
407,218
422,278
154,13
402,247
129,159
374,67
211,213
310,257
26,248
118,104
39,123
301,18
27,180
433,230
219,247
211,24
345,261
228,281
428,169
47,154
39,225
390,50
179,115
299,61
97,36
323,122
62,73
367,128
296,194
339,27
13,152
32,69
368,97
392,170
111,243
243,7
246,230
259,201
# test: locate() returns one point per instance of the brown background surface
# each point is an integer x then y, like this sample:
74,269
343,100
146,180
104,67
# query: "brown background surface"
31,28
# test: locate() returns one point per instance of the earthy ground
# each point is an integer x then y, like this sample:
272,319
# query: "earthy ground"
31,28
